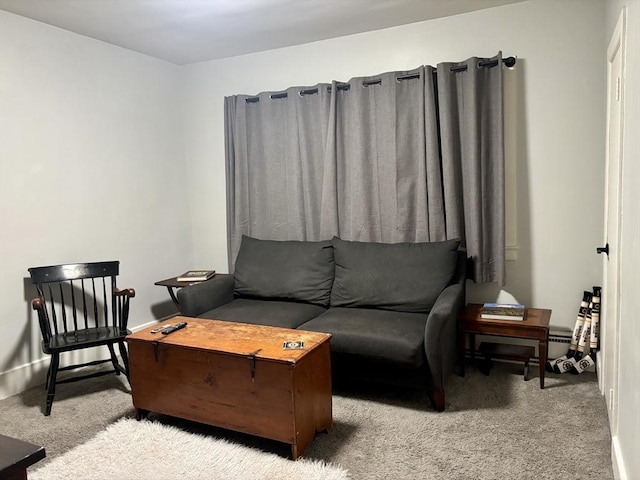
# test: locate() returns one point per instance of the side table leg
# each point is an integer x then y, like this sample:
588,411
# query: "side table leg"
472,346
542,349
462,337
173,297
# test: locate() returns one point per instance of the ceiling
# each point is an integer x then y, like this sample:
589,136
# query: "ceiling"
189,31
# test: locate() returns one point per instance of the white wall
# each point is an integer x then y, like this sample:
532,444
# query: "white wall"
91,169
561,120
80,117
627,441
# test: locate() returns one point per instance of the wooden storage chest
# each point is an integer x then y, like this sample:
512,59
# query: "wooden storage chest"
236,376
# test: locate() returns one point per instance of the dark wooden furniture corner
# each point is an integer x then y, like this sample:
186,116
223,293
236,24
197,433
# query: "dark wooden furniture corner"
16,456
535,326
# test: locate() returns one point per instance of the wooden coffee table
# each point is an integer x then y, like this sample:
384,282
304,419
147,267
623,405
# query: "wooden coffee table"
535,326
236,376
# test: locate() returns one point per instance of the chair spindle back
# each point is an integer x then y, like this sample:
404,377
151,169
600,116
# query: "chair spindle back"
79,296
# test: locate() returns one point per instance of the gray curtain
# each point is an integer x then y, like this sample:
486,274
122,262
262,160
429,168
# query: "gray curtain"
472,138
397,157
274,165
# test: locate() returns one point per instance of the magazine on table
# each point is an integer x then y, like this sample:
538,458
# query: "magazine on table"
503,311
196,276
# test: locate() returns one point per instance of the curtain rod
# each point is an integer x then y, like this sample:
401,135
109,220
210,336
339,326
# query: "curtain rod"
508,61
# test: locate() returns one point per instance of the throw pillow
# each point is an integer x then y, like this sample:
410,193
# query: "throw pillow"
288,269
406,277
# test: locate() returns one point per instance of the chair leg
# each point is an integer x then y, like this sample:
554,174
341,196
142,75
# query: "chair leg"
46,383
125,357
114,359
51,390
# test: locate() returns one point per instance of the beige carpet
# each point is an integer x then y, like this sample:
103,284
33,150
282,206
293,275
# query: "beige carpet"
495,427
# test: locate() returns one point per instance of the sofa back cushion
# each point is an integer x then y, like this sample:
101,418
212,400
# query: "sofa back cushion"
291,270
406,277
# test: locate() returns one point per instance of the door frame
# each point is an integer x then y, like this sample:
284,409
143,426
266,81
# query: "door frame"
609,357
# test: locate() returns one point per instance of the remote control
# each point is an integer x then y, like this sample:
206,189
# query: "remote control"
177,326
161,328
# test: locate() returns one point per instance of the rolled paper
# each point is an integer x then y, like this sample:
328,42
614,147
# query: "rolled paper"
595,323
583,364
577,329
585,334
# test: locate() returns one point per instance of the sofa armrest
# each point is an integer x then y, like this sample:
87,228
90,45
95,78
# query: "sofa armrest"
202,297
440,334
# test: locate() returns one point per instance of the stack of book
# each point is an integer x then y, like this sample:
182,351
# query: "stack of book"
196,276
503,311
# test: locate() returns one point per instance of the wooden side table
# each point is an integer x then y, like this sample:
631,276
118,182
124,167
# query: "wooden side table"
172,283
16,456
535,326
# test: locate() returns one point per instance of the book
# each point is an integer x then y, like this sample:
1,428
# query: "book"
196,276
503,311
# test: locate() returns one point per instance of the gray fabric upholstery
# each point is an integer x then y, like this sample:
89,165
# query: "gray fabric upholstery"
291,270
440,344
426,341
265,312
393,336
405,277
204,296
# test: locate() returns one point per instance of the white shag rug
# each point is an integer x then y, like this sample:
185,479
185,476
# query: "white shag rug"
145,450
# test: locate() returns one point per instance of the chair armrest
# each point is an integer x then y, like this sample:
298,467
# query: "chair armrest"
125,292
440,334
122,297
202,297
38,303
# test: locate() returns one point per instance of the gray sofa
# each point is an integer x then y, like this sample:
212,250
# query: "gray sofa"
391,304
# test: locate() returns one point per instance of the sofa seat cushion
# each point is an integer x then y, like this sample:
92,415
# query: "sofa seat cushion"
288,270
407,277
380,334
265,312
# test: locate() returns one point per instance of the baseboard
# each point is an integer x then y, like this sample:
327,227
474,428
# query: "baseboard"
29,375
619,470
22,378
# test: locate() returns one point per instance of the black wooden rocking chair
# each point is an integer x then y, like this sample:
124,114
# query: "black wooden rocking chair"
79,306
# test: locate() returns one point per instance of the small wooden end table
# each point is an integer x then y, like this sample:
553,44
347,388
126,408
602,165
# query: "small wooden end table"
535,326
16,456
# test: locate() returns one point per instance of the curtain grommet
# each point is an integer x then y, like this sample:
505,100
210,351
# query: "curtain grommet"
368,83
